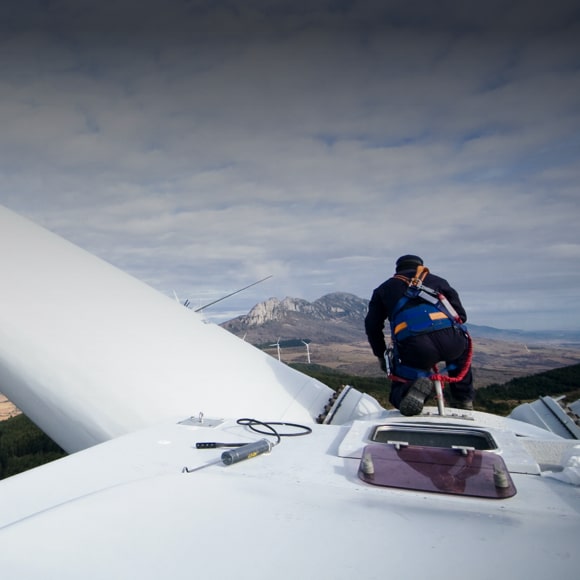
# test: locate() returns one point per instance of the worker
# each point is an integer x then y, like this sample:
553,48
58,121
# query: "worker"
424,331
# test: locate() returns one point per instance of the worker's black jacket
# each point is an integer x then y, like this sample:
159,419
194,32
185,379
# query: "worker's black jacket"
385,298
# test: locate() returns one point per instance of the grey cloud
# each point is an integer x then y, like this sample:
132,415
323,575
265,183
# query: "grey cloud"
202,145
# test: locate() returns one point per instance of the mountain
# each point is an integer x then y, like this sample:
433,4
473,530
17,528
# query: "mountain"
333,318
339,318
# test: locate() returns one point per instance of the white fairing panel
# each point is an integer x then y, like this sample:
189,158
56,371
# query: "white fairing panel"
89,352
125,509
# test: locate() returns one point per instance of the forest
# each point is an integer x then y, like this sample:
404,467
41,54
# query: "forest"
24,446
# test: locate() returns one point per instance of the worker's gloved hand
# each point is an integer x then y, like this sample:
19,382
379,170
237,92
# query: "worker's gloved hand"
383,364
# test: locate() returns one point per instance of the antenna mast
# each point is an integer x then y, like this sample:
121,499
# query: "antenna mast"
228,295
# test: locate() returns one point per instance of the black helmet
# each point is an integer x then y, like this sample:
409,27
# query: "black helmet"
408,262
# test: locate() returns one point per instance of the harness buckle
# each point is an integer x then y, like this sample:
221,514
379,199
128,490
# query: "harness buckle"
420,274
416,283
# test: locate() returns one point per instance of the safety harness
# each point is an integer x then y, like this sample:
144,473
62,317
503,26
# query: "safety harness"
429,311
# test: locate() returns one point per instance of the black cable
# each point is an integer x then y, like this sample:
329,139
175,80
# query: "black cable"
251,423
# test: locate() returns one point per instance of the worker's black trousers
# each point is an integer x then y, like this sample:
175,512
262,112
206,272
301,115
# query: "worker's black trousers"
423,352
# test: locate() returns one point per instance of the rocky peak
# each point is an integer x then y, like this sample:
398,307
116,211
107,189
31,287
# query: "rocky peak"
341,305
329,307
338,316
274,309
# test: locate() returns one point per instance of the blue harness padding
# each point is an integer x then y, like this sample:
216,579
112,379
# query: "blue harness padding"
417,320
429,315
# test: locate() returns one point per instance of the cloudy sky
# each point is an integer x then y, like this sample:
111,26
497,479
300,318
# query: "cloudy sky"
203,145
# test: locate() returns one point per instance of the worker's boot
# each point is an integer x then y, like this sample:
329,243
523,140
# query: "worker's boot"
413,401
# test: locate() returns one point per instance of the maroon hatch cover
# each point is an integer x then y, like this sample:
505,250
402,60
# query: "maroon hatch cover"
441,470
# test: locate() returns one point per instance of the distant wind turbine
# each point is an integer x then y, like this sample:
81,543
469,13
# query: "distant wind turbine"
307,350
277,345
